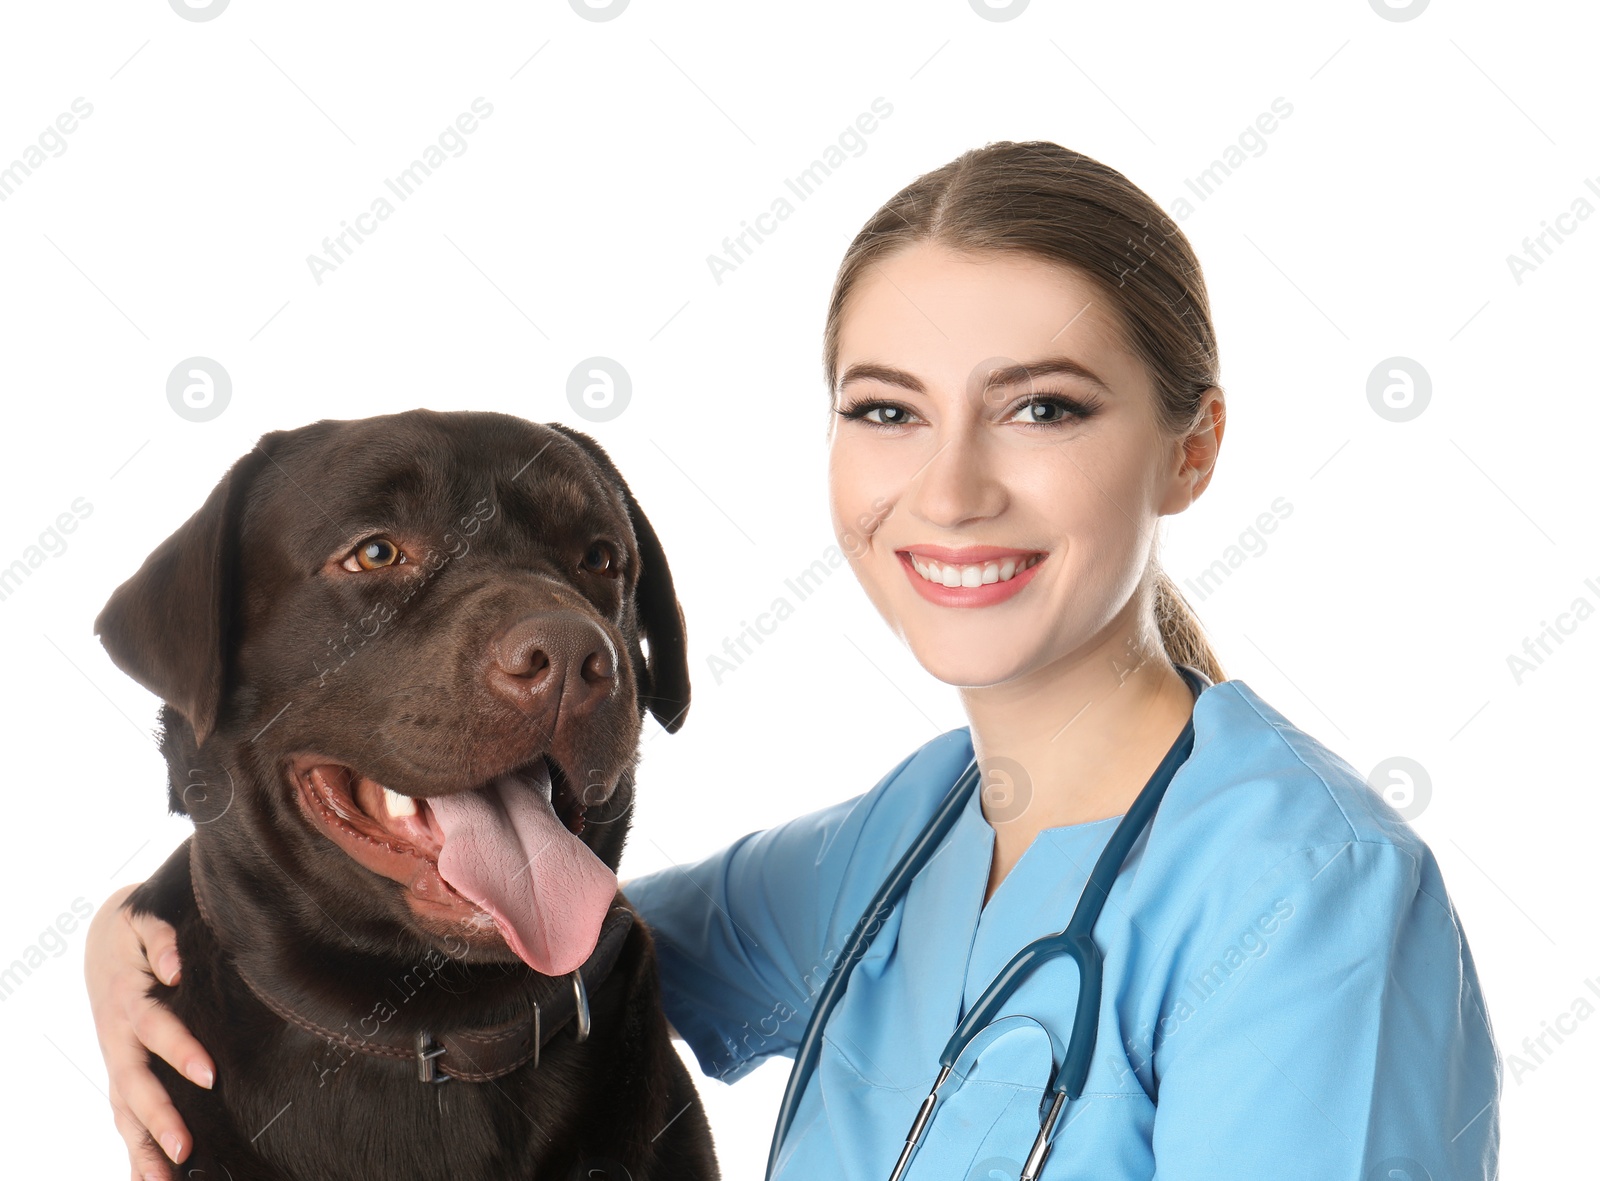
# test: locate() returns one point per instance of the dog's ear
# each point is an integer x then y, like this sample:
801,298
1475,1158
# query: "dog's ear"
660,614
168,627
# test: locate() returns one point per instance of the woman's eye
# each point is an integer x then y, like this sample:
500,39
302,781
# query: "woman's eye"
879,413
1041,412
600,558
373,554
1046,411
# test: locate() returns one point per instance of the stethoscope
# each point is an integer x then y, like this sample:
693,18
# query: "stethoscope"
1074,941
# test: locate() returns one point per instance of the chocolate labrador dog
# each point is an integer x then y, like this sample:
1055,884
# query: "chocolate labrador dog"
405,662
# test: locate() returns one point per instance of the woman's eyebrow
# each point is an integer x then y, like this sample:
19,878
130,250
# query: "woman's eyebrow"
1001,375
888,375
1044,367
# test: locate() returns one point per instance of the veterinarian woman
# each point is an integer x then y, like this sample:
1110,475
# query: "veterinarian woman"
1023,373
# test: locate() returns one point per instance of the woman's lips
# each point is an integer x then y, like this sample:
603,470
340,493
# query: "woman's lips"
983,575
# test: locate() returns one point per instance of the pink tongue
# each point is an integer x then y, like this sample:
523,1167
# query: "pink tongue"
506,850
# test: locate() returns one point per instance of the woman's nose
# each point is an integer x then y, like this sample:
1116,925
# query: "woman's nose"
957,483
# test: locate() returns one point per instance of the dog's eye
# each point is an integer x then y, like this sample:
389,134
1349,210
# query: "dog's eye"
374,554
601,558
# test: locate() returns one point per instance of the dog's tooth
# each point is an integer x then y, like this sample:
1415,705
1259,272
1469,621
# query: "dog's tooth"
399,805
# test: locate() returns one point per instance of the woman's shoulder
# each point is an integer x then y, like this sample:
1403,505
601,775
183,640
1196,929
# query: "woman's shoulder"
1259,792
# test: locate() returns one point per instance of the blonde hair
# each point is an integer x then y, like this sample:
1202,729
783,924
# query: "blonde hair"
1047,201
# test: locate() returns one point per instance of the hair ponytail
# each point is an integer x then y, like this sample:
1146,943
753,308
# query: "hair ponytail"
1181,634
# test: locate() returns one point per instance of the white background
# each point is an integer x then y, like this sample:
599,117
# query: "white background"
1377,223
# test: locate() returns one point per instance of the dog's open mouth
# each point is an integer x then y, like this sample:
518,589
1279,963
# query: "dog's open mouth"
410,820
508,850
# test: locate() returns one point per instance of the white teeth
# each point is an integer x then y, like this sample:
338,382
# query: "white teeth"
399,805
979,574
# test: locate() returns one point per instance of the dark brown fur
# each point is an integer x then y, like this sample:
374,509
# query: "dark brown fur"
260,653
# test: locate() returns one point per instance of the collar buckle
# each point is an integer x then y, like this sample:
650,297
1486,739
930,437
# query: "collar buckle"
427,1068
581,996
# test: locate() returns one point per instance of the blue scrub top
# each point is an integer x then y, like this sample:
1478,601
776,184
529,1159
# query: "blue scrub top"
1288,990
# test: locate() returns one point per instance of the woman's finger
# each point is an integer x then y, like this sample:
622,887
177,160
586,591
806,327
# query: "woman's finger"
159,1031
113,970
131,1026
118,974
160,943
145,1160
142,1098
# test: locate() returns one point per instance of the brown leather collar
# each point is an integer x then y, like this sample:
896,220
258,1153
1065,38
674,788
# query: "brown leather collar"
474,1055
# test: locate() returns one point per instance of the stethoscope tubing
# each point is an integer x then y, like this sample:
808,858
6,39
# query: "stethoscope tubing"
883,902
1075,940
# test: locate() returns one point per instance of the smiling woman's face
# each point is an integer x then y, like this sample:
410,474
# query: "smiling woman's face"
999,523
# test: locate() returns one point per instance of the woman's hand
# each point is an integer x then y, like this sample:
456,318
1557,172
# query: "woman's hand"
122,955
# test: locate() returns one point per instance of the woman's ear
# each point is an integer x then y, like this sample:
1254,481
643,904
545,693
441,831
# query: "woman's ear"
660,615
1197,452
168,626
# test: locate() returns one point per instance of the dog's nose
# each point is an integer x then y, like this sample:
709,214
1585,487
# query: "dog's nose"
559,658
